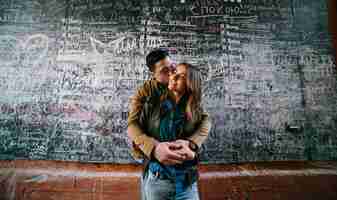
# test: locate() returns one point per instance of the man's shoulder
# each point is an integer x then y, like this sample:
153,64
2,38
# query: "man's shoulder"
148,87
150,84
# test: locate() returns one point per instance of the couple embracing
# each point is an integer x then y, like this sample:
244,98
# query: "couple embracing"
167,125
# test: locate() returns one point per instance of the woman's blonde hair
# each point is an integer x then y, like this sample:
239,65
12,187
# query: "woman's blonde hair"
193,84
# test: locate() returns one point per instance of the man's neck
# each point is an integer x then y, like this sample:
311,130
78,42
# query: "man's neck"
161,83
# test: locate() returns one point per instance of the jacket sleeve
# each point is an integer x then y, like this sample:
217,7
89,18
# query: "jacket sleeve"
201,134
138,137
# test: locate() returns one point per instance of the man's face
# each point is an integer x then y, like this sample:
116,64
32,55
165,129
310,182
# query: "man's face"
162,70
180,78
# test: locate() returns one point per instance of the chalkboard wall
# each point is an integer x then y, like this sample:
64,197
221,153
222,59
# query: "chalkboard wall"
68,68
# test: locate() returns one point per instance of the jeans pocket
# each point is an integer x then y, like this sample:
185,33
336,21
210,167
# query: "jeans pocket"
153,176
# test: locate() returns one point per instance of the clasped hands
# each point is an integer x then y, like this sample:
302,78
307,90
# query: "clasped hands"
175,152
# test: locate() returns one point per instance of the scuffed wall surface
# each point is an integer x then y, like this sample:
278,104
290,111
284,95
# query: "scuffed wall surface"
68,68
47,180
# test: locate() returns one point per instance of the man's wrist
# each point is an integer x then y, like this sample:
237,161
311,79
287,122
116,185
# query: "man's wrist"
192,145
152,156
153,153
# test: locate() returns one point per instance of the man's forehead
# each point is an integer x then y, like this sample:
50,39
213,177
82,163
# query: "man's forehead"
166,60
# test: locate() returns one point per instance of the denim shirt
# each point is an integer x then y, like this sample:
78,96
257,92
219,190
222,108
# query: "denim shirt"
171,122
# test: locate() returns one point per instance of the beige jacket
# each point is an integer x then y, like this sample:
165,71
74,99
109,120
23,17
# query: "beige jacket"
143,141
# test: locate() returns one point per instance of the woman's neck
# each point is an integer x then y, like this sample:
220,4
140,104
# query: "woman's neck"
178,96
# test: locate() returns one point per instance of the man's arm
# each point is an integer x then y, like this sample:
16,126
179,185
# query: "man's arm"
144,142
201,134
192,144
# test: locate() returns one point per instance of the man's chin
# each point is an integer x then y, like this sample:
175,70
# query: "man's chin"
164,83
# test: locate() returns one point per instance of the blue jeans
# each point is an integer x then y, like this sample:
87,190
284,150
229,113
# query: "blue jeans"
157,188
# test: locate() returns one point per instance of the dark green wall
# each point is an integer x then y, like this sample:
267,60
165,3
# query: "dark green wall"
68,68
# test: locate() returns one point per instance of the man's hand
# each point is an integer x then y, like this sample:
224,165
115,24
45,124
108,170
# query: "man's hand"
185,150
168,153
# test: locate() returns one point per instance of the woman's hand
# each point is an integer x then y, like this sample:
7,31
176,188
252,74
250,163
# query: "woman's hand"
185,149
168,153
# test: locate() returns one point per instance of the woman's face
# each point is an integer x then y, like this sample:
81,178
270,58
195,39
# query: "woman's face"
180,79
172,82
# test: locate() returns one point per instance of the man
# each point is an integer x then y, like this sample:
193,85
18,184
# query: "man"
148,123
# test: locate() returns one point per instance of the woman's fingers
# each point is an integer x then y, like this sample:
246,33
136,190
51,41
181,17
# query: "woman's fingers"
175,145
174,155
187,152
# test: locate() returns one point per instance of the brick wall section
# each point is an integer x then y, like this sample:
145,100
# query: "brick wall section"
44,180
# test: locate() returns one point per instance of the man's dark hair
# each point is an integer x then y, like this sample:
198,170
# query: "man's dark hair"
154,56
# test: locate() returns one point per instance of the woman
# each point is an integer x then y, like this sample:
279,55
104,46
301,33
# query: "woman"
192,86
180,119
